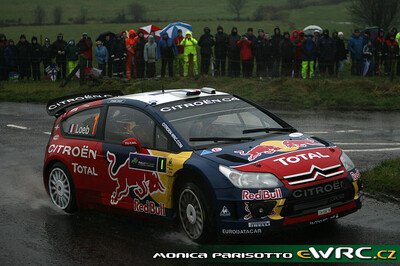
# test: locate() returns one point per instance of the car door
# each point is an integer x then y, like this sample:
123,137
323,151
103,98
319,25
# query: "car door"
134,168
79,148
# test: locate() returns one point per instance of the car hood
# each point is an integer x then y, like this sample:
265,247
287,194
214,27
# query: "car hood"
293,156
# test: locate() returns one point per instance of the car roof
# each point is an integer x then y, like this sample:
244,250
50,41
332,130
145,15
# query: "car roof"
168,96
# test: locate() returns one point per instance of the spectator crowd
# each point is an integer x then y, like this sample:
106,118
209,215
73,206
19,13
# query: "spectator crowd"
134,54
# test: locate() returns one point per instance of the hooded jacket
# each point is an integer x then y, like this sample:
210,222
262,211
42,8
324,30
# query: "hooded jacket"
309,50
36,51
130,42
59,45
101,53
221,44
150,51
85,48
71,51
327,49
140,42
246,52
166,48
276,41
24,49
118,49
355,46
206,42
233,49
189,44
11,56
287,49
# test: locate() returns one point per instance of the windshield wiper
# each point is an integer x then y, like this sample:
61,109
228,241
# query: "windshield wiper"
270,129
217,139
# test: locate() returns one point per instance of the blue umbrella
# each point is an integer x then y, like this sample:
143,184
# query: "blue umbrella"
172,29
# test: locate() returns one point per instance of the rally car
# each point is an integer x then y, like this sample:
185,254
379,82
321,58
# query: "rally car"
217,163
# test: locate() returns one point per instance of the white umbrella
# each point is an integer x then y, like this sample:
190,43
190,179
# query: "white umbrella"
309,30
172,29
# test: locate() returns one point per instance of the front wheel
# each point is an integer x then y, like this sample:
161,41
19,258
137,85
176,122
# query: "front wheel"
195,214
61,188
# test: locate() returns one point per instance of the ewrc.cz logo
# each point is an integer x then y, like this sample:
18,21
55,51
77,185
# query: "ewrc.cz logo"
349,253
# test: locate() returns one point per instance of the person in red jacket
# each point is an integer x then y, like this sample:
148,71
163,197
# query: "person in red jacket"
179,62
85,56
297,39
130,48
246,55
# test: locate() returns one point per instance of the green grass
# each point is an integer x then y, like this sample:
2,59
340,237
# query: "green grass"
341,94
385,178
198,13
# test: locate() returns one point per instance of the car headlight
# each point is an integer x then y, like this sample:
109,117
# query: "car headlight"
250,180
346,161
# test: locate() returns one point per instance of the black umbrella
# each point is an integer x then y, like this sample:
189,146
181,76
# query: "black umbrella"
102,36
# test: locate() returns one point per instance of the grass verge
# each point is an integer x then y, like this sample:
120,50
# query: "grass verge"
339,94
384,178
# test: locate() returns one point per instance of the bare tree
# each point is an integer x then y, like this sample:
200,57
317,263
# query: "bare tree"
57,14
374,13
236,6
295,3
82,17
137,11
39,15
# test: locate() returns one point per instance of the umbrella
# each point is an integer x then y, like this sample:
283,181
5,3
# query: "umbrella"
172,29
309,30
102,36
149,28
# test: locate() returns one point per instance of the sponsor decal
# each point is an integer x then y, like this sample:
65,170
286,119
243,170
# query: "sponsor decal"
205,152
300,157
56,127
147,162
198,103
248,216
82,152
315,191
273,146
324,211
355,175
259,224
216,149
76,129
261,194
224,212
172,134
143,183
241,231
295,135
150,207
82,169
116,101
56,137
78,98
323,220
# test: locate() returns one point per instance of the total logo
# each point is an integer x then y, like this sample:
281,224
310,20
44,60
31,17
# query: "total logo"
262,194
273,146
300,157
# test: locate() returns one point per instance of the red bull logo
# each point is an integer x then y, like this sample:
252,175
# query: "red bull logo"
144,183
273,146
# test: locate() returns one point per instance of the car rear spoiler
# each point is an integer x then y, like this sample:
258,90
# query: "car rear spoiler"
58,106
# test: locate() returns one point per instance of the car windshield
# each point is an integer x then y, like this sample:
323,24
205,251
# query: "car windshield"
221,118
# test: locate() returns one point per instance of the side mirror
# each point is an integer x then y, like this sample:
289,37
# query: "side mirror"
133,142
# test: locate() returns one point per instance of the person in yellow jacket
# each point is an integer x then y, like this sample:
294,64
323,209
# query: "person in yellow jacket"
189,45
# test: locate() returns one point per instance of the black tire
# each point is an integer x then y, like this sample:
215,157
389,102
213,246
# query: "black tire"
190,194
61,188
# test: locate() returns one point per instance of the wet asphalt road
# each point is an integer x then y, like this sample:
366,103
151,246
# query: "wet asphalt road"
32,231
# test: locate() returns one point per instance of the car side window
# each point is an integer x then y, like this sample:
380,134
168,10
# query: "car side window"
82,124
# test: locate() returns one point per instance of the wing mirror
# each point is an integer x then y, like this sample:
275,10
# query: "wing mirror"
133,142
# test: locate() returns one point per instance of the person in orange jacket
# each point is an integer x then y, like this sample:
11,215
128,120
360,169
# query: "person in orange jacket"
130,44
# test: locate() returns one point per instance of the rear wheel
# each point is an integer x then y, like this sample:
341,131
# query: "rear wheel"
195,213
61,188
